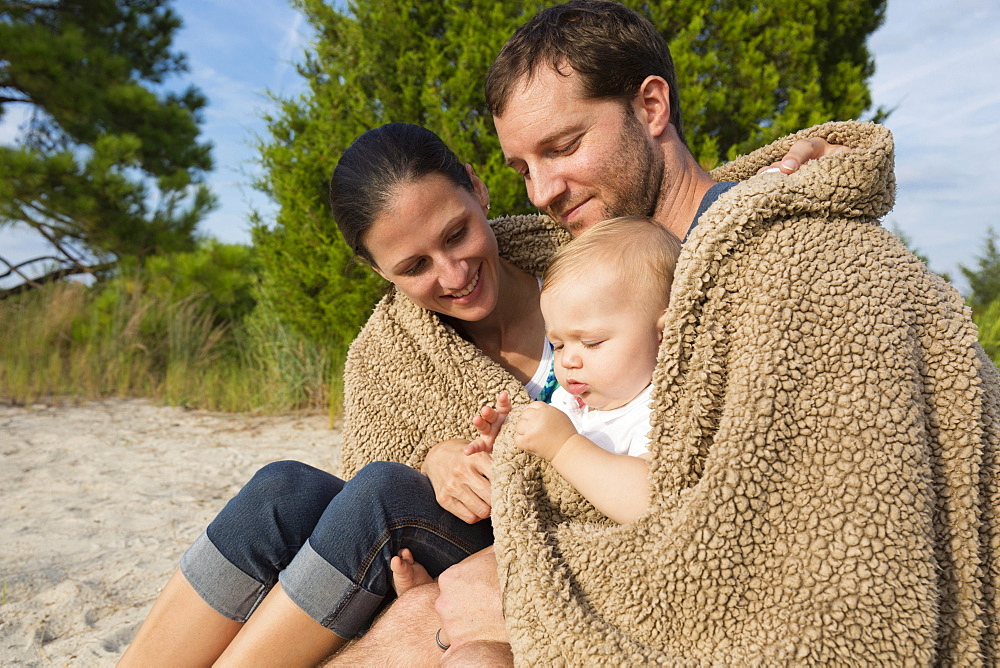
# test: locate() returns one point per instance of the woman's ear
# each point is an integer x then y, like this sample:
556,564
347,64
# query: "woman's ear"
479,188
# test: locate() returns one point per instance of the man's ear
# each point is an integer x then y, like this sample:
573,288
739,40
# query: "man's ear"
652,105
478,187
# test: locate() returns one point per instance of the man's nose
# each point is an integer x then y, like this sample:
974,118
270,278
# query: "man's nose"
545,185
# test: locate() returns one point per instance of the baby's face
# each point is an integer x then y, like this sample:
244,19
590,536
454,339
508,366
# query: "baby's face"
605,338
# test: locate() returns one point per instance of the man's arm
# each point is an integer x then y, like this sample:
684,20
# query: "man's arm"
468,614
403,636
469,603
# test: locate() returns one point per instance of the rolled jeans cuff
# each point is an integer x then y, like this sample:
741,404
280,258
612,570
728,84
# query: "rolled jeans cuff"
228,590
327,595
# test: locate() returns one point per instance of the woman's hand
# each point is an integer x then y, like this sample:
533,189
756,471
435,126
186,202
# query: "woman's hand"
801,152
461,482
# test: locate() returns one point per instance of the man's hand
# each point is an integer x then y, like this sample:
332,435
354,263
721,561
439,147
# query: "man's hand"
801,152
542,430
461,482
469,602
488,423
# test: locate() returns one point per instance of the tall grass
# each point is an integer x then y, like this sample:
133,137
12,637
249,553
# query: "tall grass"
122,339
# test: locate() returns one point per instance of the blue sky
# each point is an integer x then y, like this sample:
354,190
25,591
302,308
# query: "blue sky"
938,67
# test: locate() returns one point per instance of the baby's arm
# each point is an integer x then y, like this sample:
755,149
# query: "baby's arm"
617,485
407,573
488,423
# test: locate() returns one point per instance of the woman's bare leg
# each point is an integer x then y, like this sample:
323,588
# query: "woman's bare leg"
180,630
280,633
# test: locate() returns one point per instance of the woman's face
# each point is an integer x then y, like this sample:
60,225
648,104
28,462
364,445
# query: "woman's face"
433,243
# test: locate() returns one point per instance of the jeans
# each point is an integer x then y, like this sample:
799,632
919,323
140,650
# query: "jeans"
327,541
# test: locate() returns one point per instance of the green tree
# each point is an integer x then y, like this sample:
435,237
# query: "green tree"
984,278
919,254
108,165
748,73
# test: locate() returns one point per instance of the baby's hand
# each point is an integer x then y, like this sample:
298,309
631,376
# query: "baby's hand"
407,573
542,430
488,423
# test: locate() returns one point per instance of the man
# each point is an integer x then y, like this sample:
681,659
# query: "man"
824,488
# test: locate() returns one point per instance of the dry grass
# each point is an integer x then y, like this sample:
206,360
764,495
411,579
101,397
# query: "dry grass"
119,340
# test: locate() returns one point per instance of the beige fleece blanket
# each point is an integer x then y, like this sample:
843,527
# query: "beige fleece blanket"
823,488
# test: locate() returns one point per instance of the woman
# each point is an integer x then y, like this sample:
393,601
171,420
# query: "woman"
304,551
307,553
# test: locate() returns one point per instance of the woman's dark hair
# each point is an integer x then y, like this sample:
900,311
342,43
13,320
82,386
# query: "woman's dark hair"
373,168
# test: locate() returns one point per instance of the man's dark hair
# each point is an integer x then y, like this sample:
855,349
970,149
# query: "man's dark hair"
612,48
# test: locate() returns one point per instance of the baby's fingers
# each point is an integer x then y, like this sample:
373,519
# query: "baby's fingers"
478,445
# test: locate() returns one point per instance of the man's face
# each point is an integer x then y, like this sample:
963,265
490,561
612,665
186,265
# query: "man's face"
583,160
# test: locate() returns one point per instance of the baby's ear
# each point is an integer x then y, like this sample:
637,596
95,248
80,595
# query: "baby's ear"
660,324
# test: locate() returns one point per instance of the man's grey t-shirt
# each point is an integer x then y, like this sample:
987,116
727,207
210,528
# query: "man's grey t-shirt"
708,200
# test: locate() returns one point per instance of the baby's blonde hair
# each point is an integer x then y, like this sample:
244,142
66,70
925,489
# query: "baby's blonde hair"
640,251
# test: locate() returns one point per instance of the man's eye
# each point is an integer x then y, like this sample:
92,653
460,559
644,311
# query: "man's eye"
568,148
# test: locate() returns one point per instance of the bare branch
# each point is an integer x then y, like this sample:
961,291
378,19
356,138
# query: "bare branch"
52,277
15,268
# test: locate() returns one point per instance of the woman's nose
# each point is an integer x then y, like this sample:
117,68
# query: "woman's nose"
455,275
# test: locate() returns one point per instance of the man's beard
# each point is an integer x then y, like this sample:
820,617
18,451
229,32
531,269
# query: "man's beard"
635,178
638,174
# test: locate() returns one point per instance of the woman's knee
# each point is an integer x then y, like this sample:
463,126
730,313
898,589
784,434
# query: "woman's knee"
278,479
382,481
288,494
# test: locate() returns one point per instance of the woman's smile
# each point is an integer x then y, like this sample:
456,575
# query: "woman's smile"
468,288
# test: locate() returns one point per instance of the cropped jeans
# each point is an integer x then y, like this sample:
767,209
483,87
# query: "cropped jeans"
327,541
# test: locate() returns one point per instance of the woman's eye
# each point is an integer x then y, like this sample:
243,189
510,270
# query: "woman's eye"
414,268
457,235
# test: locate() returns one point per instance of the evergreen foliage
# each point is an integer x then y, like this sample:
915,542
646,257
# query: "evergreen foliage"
748,73
108,164
919,254
984,278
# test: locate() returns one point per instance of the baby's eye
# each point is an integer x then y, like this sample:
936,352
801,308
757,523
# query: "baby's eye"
590,345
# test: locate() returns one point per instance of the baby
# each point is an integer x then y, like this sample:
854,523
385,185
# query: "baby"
603,299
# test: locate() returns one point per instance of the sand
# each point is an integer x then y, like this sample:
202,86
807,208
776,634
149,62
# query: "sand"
98,502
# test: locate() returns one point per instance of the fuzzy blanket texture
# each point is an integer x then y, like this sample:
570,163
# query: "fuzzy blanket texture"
823,488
